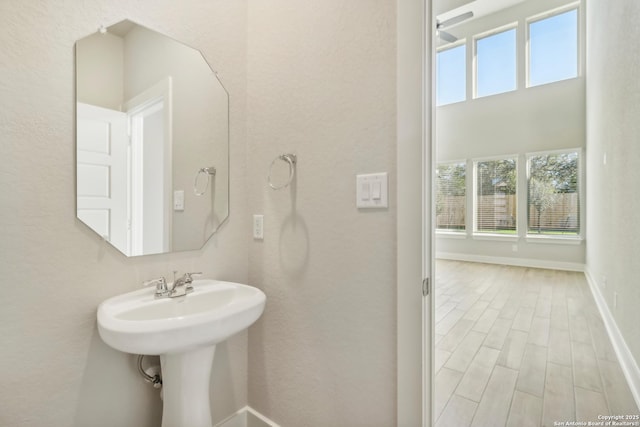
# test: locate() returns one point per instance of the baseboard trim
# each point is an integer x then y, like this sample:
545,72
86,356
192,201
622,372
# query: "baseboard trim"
517,262
626,359
246,417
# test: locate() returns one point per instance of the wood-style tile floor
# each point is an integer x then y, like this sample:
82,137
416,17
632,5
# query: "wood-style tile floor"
521,347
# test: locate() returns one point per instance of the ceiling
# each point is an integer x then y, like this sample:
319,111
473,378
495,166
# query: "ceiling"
446,9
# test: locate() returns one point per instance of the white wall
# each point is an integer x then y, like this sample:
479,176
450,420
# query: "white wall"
54,271
322,84
613,130
542,118
99,71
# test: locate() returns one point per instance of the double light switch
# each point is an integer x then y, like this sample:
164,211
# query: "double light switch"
372,190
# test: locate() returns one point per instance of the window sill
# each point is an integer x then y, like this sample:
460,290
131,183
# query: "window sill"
556,240
496,237
451,234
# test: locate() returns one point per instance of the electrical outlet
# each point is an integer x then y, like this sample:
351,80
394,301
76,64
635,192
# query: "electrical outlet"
258,227
178,200
604,282
514,247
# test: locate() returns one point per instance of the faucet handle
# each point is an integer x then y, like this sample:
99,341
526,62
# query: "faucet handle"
160,283
189,276
186,277
188,280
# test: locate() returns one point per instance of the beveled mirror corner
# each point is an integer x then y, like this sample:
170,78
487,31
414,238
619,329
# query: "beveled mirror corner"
152,141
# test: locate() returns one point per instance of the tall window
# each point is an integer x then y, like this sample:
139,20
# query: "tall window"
553,198
496,207
451,201
451,75
553,48
496,63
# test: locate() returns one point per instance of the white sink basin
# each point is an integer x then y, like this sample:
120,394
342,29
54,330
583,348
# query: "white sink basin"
138,323
184,332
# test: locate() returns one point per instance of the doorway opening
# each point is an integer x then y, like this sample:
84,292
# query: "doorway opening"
148,227
518,339
150,174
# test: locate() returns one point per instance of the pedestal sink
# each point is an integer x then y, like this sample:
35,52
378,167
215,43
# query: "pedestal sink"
184,332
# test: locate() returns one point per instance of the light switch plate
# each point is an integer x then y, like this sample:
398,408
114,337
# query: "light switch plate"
372,191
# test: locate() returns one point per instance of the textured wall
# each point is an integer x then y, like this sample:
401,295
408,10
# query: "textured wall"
54,369
321,84
613,131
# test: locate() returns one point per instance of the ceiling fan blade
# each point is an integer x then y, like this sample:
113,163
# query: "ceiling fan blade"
447,36
456,20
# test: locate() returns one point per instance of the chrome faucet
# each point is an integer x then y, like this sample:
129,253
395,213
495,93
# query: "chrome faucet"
180,286
161,286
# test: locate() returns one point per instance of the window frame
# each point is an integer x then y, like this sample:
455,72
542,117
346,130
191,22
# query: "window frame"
459,43
546,15
461,234
474,46
484,235
547,238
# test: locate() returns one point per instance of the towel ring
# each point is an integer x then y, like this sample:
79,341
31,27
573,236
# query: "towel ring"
291,160
209,172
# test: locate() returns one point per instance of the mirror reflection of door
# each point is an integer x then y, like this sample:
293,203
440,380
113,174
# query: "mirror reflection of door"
122,166
102,165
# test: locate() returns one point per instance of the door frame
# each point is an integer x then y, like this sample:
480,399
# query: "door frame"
161,91
414,249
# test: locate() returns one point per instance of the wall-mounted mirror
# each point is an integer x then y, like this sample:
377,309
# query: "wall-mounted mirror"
152,141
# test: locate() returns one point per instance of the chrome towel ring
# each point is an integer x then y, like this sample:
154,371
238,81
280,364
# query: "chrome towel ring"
209,172
291,160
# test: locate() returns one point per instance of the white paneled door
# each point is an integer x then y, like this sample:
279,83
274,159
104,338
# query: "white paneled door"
102,172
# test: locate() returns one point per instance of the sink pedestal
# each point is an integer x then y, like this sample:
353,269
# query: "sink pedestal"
184,332
186,379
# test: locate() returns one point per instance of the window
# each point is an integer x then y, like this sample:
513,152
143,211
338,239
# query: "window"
495,201
553,198
451,75
553,48
496,63
451,192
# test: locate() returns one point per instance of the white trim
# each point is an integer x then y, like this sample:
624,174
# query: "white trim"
552,12
497,30
414,384
438,51
627,361
457,43
577,150
163,90
512,156
241,419
546,15
582,208
474,189
517,262
237,419
554,240
451,234
453,162
496,237
474,46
